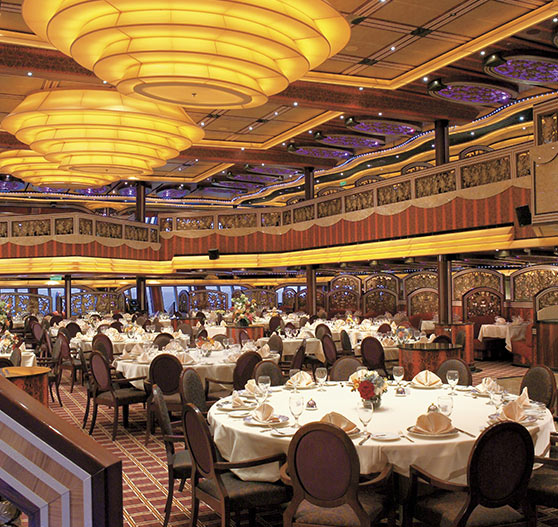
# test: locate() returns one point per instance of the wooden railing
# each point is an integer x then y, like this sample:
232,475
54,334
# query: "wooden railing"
52,471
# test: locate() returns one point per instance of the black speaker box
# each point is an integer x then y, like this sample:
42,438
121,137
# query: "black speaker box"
213,254
523,214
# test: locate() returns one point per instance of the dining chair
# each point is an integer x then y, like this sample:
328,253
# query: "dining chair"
303,321
54,362
117,316
323,469
290,325
15,356
213,482
495,486
272,370
541,385
343,368
200,315
442,339
459,365
117,325
242,373
312,319
298,358
275,344
103,344
322,329
373,356
141,320
243,337
346,346
88,383
105,394
384,328
69,362
103,327
275,323
192,390
73,329
42,340
220,338
202,333
55,319
5,362
184,328
329,349
164,371
162,339
179,462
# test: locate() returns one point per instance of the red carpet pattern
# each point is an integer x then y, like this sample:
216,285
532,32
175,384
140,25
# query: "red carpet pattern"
145,469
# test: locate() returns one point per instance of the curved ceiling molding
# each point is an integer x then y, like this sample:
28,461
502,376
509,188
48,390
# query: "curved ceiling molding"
381,126
100,131
525,68
353,141
200,54
325,152
471,92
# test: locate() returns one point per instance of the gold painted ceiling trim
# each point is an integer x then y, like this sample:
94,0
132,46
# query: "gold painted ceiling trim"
463,242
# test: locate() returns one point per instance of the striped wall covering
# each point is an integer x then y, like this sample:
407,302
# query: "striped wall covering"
51,470
457,214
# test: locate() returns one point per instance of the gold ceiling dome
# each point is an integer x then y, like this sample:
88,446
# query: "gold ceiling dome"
33,168
196,53
101,132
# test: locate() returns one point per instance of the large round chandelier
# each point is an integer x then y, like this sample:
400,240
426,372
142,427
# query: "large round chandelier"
101,132
33,168
196,53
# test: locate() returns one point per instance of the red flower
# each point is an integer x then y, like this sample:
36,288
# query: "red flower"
366,389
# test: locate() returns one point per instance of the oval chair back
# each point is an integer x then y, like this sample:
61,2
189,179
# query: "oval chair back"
164,371
36,331
541,385
202,334
162,339
192,390
100,371
322,329
117,325
244,368
184,328
5,362
330,351
103,344
243,337
298,357
443,339
494,481
274,323
465,375
200,443
275,343
269,368
384,328
73,329
346,342
55,319
373,356
343,368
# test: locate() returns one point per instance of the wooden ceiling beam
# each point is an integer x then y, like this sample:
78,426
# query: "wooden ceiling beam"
392,104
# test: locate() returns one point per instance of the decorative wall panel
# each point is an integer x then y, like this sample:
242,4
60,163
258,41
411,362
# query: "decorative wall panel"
528,282
420,280
194,224
31,227
330,207
237,221
165,224
485,172
183,302
289,299
264,298
131,232
422,301
85,227
435,184
3,229
379,301
394,193
271,219
548,128
482,301
523,164
209,300
305,213
301,300
21,303
287,217
102,302
545,298
63,226
341,300
108,230
468,279
362,200
346,281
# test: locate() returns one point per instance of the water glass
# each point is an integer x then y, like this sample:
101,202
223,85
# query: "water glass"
321,376
364,412
398,374
292,373
296,405
452,376
445,405
264,382
497,399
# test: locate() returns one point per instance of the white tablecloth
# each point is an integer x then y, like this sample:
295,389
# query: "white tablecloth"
427,325
290,347
444,458
118,346
508,332
214,367
28,358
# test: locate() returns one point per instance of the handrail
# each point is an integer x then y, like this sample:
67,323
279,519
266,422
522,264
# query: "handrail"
51,470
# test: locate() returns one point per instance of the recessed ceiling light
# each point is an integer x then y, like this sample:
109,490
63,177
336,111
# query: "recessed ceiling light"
29,73
380,114
555,19
341,117
250,128
522,118
472,133
295,103
361,88
425,79
483,53
392,48
202,124
242,149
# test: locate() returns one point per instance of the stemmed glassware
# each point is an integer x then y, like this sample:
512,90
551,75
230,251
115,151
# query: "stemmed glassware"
264,382
321,375
398,374
364,412
497,398
296,405
453,377
445,405
292,373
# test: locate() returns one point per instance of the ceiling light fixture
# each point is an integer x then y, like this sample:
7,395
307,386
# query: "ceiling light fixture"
100,131
200,54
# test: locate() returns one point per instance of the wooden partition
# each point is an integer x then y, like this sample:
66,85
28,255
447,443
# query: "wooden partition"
55,473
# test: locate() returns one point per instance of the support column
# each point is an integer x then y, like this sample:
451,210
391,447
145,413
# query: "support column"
444,290
140,201
141,293
308,182
441,141
68,295
311,290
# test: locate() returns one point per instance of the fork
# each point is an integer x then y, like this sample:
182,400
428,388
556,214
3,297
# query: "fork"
366,438
401,434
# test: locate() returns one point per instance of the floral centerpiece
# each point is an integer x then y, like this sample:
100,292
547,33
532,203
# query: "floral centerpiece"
8,342
243,309
3,313
371,386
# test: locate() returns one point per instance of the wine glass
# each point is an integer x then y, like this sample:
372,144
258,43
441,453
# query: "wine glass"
292,373
445,405
321,376
497,399
364,412
226,343
296,405
264,382
398,374
452,376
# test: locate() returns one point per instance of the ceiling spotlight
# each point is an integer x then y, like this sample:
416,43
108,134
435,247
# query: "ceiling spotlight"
319,136
291,147
351,121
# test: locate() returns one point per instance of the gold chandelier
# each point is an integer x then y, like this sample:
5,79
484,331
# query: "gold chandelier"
196,53
101,132
33,168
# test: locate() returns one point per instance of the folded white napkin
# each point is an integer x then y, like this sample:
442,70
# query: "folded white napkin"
426,378
232,357
431,337
264,351
489,385
388,342
423,339
339,420
137,349
253,388
366,323
217,346
173,345
236,400
301,378
264,414
512,412
517,320
223,324
500,320
249,346
523,400
306,333
433,423
144,357
125,356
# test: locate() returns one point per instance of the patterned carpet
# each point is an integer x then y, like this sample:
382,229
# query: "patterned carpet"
145,469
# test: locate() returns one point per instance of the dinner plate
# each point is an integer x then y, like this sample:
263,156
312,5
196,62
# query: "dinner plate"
252,421
422,387
384,437
285,431
309,387
239,413
226,406
463,388
414,432
529,420
479,394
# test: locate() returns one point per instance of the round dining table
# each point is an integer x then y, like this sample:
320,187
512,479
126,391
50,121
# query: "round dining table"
391,442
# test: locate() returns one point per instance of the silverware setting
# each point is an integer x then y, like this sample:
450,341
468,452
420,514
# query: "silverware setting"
465,432
401,434
366,438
